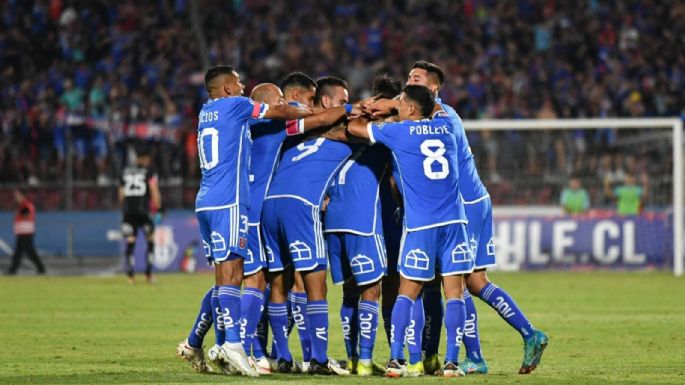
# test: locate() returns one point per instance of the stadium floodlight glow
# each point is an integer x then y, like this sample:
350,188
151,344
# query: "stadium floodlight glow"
676,124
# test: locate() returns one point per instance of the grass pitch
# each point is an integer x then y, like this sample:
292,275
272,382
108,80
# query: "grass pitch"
603,328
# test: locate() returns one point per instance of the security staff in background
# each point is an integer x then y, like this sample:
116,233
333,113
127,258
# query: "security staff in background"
140,199
24,229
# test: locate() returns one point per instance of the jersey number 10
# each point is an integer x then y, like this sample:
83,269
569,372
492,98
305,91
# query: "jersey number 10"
212,134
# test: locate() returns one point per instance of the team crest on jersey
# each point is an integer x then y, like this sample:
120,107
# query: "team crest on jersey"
242,242
300,251
461,253
417,259
361,264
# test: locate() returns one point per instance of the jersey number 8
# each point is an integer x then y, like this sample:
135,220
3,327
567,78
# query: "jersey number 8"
433,156
213,135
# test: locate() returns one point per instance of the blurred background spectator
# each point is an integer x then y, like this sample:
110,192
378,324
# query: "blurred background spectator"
574,198
83,81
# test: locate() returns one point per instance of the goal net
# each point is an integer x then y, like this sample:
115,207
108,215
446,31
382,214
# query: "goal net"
584,193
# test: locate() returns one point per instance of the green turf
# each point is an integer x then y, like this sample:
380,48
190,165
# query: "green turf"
603,328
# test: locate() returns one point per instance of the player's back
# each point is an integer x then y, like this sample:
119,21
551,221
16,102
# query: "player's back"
224,150
425,168
470,184
135,183
354,196
306,168
267,138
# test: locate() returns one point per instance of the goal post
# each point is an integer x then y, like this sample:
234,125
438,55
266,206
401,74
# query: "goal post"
675,124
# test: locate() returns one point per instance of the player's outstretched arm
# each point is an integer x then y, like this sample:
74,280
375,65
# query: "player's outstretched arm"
286,112
358,128
326,117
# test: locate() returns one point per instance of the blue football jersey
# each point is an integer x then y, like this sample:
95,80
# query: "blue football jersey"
425,168
267,138
224,149
355,205
306,168
470,185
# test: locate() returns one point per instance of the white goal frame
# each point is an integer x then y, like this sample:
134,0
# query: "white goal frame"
675,124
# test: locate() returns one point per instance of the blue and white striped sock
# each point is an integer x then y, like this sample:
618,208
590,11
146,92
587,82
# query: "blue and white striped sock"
229,300
317,312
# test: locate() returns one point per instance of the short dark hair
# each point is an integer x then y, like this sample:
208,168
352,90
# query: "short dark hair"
297,79
432,69
324,85
423,97
215,72
386,87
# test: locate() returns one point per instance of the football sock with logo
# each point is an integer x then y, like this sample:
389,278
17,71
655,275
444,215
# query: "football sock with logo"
471,336
251,302
317,313
415,331
348,321
261,337
203,321
507,308
219,331
401,316
229,300
278,318
455,316
298,308
367,323
433,309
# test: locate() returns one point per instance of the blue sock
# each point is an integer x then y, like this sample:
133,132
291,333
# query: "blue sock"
317,312
348,321
471,337
278,318
433,308
219,331
203,321
261,335
387,325
455,317
501,301
229,300
401,316
251,302
298,303
415,331
367,323
291,321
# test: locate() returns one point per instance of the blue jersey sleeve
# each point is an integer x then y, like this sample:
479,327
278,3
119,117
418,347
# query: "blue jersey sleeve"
381,133
246,108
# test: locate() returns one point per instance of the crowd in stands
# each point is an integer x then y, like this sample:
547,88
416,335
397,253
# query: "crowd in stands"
91,77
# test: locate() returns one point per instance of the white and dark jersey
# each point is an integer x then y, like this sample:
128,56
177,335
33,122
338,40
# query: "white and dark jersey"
355,205
135,182
425,168
223,141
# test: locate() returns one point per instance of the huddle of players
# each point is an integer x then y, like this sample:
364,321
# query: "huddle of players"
328,183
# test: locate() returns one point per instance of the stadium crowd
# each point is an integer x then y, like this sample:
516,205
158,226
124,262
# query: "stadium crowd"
102,74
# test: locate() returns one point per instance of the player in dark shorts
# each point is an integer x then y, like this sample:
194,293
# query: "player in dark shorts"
139,198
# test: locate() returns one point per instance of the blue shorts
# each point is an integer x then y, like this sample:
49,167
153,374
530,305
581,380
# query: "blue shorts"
224,233
359,256
256,257
293,234
480,232
443,248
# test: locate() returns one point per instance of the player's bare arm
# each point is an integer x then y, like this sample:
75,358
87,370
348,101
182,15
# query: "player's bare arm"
286,112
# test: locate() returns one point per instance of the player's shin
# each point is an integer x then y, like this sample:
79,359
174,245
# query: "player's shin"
455,318
278,318
471,336
401,317
298,308
149,259
507,308
434,311
367,324
219,331
415,331
203,321
348,321
129,260
251,303
318,328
